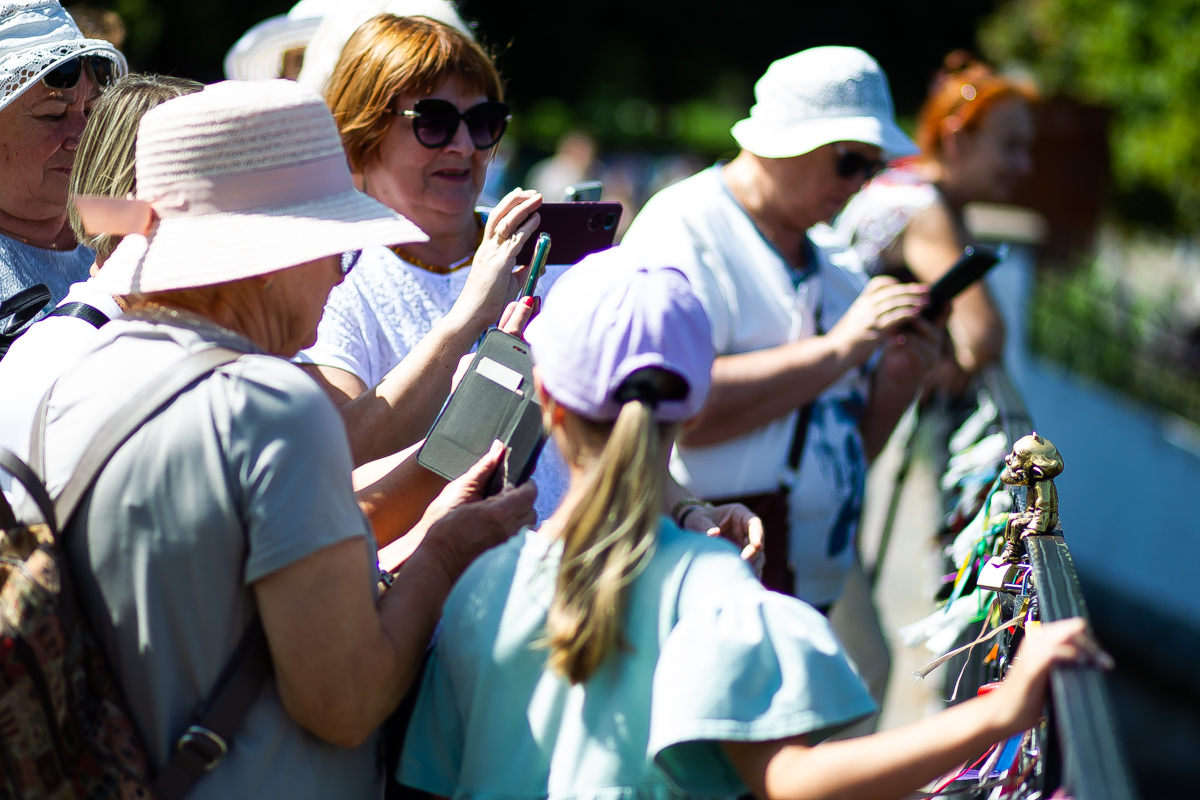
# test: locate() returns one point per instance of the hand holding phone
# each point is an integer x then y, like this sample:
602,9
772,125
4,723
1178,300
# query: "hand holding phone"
970,267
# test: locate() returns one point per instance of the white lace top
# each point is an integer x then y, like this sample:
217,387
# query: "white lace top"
377,315
878,215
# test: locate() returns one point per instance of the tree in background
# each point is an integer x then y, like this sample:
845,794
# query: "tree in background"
1139,58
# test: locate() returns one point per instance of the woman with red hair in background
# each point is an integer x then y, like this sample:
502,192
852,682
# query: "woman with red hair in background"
974,132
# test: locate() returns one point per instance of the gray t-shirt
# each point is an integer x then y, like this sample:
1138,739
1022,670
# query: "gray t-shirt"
22,266
244,473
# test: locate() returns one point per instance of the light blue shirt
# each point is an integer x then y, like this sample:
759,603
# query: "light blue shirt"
711,657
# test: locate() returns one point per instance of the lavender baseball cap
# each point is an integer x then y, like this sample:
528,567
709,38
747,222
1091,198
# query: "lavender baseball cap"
612,315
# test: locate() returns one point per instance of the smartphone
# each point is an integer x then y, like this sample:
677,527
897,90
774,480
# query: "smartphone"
584,191
541,251
494,400
972,265
578,229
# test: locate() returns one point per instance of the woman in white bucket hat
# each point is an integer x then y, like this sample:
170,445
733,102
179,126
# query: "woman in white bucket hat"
234,501
50,75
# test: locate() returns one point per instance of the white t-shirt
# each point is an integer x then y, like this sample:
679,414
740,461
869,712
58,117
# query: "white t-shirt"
36,360
382,310
747,289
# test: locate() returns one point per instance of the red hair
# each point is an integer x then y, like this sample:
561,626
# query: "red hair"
959,98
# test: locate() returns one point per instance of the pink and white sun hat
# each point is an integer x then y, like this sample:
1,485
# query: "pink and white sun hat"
610,316
241,179
258,55
820,96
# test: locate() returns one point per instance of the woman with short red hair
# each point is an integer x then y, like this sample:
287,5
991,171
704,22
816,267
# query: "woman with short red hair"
974,132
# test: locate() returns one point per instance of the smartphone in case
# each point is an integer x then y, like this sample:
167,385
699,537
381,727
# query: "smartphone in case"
494,400
578,229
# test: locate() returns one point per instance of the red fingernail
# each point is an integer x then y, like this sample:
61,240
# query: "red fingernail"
528,301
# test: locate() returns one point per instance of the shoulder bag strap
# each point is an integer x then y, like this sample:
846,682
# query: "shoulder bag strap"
90,314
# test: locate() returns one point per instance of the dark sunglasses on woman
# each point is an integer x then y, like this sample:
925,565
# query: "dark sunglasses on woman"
435,122
66,75
850,164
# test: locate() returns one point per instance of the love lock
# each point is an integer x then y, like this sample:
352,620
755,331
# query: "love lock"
998,575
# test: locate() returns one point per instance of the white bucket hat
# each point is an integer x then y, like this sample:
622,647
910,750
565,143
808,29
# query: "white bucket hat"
819,96
246,178
337,28
35,37
258,55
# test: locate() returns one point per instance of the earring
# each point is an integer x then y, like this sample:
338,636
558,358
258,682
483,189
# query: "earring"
268,284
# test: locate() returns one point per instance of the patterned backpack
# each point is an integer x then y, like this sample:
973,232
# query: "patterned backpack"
65,732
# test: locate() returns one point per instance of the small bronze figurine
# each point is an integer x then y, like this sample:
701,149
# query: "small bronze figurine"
1034,462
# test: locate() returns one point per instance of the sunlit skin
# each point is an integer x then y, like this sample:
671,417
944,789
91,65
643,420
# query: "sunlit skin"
39,133
435,188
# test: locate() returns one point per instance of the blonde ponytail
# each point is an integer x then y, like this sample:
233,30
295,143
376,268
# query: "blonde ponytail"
609,539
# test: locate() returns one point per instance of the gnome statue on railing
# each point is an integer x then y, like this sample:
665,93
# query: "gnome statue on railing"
1034,462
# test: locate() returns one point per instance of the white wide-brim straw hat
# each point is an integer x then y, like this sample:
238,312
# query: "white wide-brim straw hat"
338,26
35,37
243,178
819,96
258,55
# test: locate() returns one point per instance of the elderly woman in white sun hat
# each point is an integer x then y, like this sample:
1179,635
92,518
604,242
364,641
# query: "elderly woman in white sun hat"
49,77
234,501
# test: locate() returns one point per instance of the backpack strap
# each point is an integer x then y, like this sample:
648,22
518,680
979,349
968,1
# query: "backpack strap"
90,314
220,716
25,476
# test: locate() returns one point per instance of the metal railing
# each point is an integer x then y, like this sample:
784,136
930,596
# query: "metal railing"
1085,759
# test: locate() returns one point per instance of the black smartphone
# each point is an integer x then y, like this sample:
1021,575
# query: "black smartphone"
578,229
972,265
584,191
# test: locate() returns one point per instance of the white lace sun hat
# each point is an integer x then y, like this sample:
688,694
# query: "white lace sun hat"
35,37
241,179
258,55
336,29
819,96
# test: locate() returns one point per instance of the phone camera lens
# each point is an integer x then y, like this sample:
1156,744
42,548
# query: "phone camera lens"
593,222
610,221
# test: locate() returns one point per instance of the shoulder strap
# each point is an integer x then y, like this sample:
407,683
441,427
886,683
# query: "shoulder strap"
123,424
19,310
799,438
205,742
83,311
25,476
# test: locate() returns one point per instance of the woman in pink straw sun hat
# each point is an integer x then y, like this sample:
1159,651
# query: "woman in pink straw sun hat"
230,509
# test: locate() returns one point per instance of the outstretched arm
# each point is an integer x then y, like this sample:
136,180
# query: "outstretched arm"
895,763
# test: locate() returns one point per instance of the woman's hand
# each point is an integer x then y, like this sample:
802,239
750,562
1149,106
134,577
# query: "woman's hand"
881,309
912,354
492,282
1022,695
462,524
734,522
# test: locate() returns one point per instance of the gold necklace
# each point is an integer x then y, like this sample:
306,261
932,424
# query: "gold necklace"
437,269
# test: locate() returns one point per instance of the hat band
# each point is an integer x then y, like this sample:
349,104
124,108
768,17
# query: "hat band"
233,192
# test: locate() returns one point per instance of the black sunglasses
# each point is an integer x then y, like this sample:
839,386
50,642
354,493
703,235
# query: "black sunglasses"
850,164
103,72
435,122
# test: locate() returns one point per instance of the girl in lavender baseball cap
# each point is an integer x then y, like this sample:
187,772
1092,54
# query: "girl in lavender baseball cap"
611,653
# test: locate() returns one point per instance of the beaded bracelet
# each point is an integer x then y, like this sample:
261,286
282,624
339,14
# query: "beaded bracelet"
685,506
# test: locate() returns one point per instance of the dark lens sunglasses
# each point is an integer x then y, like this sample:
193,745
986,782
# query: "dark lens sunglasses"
435,122
851,164
66,75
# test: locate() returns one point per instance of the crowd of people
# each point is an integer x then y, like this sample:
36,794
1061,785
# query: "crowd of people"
305,266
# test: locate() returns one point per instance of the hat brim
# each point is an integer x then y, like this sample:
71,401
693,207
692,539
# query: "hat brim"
785,141
72,49
258,55
185,252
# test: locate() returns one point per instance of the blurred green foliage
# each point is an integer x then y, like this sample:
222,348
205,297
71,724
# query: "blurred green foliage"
1138,57
1096,328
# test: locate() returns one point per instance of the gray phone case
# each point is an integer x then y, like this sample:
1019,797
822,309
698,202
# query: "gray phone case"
495,400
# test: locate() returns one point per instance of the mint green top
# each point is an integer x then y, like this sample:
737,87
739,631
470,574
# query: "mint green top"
712,656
